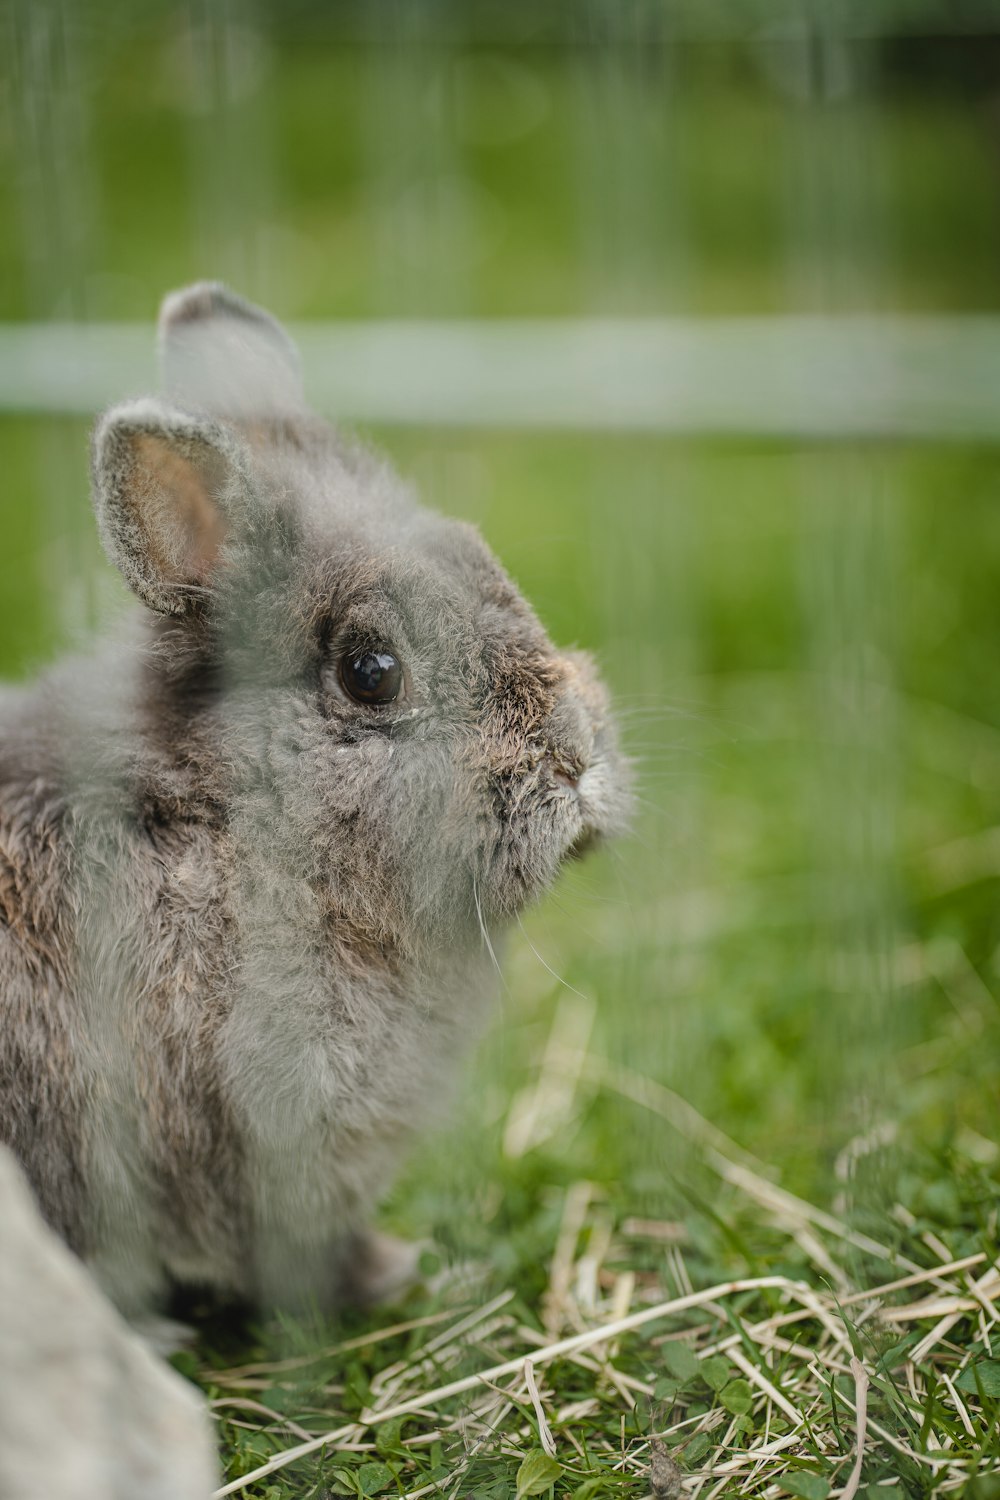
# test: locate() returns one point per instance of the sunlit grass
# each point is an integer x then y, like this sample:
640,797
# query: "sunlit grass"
752,1344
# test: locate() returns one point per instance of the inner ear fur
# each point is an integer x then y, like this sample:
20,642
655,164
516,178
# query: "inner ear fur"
162,483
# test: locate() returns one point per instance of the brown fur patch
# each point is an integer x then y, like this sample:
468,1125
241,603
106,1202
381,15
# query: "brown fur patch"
176,509
29,882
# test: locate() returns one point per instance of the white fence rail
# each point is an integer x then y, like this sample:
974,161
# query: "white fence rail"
791,376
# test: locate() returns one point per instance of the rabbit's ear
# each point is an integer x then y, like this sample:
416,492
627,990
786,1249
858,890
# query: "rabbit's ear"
163,481
223,355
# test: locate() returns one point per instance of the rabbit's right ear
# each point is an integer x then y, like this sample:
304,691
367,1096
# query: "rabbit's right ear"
165,484
220,353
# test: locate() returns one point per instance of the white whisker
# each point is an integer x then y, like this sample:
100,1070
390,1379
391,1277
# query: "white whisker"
486,936
548,967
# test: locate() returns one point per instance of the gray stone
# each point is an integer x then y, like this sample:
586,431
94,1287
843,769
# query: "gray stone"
87,1412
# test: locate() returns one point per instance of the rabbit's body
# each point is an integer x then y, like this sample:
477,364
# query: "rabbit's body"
244,905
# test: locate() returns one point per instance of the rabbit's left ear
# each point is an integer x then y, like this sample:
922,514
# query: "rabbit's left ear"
166,485
222,354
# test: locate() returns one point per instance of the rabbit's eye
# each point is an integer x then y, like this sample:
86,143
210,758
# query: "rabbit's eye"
371,676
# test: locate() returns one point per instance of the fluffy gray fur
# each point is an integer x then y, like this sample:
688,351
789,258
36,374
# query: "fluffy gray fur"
243,917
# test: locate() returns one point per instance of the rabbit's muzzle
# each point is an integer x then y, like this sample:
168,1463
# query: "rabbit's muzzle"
557,788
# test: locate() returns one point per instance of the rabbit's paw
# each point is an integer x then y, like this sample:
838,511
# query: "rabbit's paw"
165,1336
380,1268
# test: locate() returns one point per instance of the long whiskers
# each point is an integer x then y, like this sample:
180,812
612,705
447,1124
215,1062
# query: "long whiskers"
485,933
548,967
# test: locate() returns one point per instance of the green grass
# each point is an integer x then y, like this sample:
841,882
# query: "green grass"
785,982
749,1382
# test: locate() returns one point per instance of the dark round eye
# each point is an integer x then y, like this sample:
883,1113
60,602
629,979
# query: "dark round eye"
371,676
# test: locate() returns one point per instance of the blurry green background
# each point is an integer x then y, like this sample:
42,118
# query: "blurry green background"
803,935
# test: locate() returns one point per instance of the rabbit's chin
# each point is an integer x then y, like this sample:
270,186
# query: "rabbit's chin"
556,827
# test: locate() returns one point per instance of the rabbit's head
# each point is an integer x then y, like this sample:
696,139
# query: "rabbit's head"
355,674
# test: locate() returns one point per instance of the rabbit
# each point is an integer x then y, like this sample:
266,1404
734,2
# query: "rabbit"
258,851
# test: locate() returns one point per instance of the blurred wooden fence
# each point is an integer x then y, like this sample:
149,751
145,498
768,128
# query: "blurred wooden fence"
792,376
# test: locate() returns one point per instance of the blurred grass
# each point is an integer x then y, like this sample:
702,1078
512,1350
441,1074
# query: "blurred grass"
371,163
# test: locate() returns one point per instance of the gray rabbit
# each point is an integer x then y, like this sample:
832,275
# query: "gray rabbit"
255,854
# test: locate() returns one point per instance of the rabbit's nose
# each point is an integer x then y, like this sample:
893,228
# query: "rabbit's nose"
568,753
570,741
564,774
